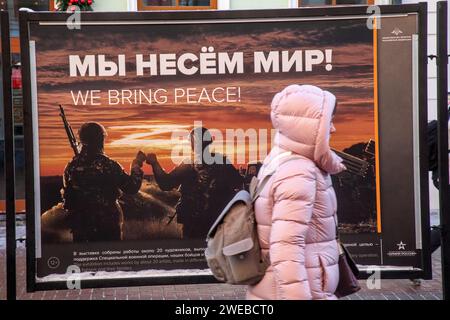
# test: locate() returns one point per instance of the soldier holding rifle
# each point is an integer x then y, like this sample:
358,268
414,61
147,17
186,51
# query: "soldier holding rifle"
93,183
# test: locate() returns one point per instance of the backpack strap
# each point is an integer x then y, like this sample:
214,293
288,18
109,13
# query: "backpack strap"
260,187
267,177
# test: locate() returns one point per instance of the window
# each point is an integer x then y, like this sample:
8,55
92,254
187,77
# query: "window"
304,3
177,4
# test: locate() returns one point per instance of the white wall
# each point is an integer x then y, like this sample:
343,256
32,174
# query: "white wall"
107,5
380,2
260,4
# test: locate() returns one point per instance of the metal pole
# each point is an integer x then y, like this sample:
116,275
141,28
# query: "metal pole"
9,160
444,188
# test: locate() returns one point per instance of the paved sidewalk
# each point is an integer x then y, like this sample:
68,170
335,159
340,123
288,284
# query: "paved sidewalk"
390,289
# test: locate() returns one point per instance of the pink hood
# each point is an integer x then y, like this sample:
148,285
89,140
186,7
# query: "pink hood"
302,116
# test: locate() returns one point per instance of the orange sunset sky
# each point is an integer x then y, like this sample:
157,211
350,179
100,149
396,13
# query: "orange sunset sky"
149,127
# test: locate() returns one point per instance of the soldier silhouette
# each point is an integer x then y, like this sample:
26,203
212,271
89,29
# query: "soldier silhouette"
206,186
93,184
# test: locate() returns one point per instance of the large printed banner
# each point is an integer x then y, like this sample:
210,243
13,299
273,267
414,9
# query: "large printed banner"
124,184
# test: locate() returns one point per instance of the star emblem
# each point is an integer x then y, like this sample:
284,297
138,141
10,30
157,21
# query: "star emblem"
401,245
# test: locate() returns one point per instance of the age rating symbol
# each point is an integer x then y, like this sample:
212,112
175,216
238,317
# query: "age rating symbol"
53,263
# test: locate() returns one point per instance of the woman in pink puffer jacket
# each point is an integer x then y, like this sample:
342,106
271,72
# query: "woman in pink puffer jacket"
296,211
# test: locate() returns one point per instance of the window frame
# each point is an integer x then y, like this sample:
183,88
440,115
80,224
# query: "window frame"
333,3
143,7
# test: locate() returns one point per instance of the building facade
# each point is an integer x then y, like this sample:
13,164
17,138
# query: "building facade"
13,7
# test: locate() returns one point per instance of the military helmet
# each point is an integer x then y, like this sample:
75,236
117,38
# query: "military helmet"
92,133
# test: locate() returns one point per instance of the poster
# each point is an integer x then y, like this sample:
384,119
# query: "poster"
123,188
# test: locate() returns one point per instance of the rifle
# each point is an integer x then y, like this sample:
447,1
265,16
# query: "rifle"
354,165
171,218
370,148
70,135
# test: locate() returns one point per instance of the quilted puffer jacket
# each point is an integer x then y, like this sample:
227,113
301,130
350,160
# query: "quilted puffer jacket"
296,211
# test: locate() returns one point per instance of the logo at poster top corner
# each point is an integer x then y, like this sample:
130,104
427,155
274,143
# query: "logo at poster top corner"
397,31
401,245
396,35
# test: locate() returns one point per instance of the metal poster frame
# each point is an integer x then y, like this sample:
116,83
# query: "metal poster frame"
442,112
6,93
27,18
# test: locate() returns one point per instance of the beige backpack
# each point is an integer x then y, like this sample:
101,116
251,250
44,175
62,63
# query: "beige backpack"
233,251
